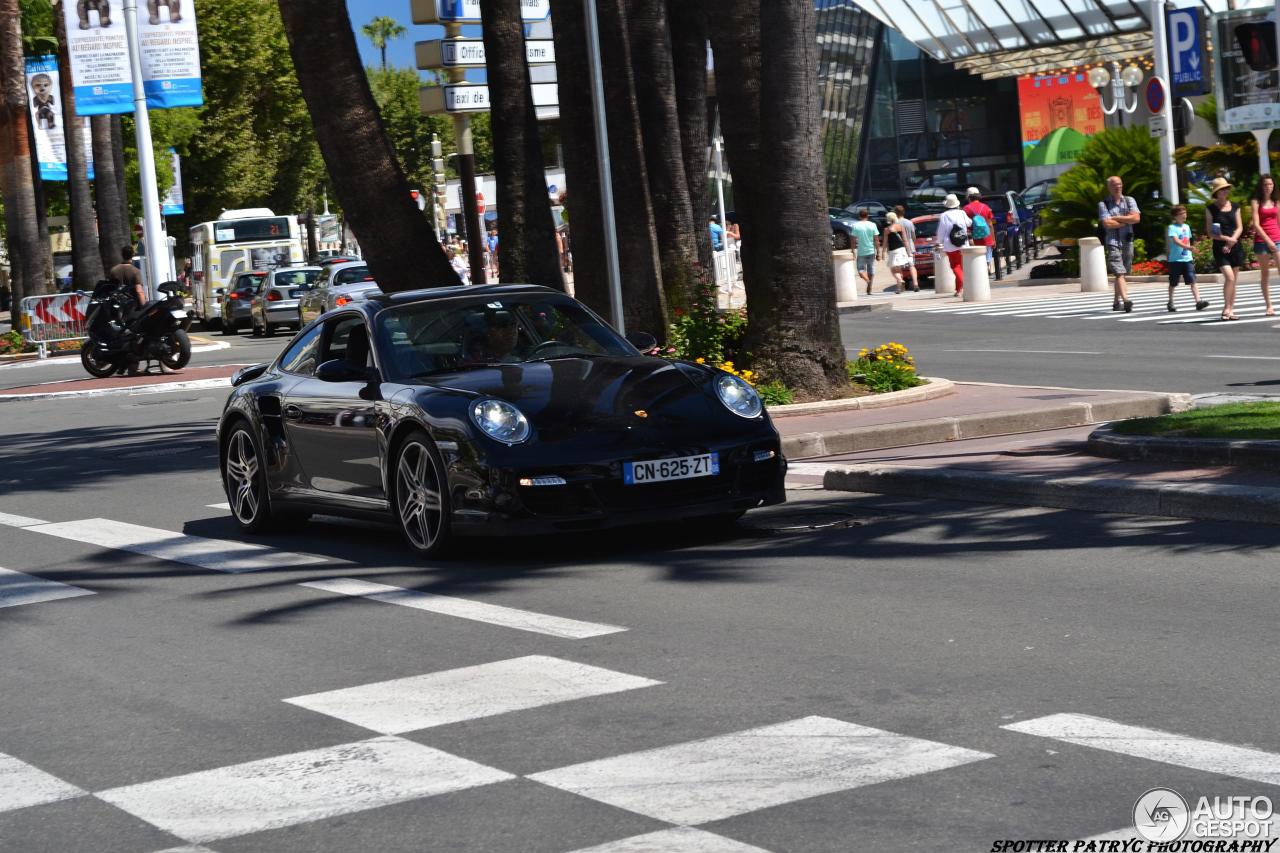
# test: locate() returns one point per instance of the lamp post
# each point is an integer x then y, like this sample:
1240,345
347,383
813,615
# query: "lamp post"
1121,82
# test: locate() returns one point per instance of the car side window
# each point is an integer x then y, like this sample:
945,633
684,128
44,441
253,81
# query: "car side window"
339,336
302,358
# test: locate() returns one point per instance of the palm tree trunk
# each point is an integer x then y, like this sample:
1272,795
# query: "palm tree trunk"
527,240
112,227
689,62
651,51
794,331
86,257
396,239
117,149
26,246
581,167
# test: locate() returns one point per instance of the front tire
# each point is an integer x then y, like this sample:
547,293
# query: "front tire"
245,480
93,364
420,496
179,352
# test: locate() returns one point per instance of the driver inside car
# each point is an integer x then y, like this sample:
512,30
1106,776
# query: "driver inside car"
497,343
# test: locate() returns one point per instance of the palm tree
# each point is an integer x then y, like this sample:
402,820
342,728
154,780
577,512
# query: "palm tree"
402,252
27,247
689,63
381,30
86,257
528,240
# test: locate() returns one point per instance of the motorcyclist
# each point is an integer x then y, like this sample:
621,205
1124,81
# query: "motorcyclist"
127,274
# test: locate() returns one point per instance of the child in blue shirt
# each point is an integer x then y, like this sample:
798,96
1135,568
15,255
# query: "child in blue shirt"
1181,265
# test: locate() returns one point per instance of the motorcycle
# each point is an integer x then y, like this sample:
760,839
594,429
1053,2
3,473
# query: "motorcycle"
118,342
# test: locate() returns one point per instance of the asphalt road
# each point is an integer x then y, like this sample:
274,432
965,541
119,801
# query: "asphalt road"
874,664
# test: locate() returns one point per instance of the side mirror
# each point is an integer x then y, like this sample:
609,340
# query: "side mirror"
341,370
642,341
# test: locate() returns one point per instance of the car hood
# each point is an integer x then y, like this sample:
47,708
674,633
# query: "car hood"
565,396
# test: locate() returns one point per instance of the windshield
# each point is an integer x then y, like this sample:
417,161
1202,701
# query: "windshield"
445,336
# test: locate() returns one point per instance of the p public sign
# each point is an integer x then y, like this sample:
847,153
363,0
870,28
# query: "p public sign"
468,11
1187,66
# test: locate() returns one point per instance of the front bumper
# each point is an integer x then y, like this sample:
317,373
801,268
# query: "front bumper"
595,497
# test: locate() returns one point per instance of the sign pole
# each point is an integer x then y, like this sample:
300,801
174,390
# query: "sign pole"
1168,169
152,228
606,170
467,175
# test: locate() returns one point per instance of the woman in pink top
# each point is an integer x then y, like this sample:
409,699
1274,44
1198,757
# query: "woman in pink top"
1266,233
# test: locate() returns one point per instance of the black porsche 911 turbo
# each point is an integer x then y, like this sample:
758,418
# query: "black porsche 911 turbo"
504,409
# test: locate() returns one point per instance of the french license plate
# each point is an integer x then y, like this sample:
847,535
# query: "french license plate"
661,470
295,293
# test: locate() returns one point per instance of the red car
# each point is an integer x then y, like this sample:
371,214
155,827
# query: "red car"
926,236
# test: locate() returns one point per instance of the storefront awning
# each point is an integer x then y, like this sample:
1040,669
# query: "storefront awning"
1009,38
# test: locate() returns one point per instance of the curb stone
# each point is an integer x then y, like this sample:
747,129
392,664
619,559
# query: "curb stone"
931,390
1196,500
1104,441
980,425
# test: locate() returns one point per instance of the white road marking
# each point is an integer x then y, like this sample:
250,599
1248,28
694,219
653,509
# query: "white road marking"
225,506
17,588
186,848
1036,351
682,839
1249,357
22,785
439,698
216,554
18,520
717,778
493,614
299,788
1154,745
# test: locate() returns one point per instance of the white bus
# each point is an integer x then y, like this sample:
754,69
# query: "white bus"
239,241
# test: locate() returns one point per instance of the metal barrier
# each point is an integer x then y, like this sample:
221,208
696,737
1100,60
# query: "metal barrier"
55,317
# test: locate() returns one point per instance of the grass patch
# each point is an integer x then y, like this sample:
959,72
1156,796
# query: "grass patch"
1234,420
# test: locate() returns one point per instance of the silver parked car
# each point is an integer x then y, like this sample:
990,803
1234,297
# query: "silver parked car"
341,284
276,304
237,301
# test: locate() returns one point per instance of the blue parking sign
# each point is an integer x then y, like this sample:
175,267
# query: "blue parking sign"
1187,65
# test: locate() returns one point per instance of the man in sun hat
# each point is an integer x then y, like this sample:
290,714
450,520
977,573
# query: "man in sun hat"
953,235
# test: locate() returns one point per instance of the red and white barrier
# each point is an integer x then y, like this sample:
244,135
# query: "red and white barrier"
55,317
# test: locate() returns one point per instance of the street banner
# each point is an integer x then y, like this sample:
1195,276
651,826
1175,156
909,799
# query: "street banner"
47,119
1059,113
171,204
99,52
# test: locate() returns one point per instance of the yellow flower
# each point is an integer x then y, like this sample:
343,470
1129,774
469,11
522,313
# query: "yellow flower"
699,361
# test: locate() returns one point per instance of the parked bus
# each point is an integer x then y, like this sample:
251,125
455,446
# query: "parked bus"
238,241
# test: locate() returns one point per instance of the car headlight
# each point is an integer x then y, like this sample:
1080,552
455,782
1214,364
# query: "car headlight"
738,397
500,420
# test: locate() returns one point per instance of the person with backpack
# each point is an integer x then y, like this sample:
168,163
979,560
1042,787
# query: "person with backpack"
953,235
984,223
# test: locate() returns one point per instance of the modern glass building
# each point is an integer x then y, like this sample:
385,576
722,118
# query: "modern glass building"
898,124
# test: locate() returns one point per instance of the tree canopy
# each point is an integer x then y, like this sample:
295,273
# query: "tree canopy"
382,30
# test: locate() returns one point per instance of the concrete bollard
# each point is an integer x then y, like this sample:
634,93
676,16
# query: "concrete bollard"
977,282
1093,266
944,280
846,276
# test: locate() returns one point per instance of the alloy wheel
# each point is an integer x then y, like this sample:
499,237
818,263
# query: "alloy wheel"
242,477
418,502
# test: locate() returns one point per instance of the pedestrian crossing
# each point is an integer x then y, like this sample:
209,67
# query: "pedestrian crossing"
1149,307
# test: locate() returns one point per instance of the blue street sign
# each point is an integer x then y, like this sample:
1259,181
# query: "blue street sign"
1187,66
1155,95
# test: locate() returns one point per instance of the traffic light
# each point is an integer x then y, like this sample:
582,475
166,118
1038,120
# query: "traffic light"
1258,45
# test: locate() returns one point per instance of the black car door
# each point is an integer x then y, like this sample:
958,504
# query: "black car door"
331,426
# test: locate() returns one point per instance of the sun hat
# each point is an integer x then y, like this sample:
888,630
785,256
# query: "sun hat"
950,201
1219,184
973,191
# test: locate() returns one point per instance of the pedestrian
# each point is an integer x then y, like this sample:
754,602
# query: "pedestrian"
909,231
1117,214
1181,262
717,234
1266,231
984,222
460,265
1222,224
733,237
953,235
895,241
491,247
868,237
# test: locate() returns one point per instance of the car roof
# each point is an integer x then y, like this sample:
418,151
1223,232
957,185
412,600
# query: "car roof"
299,269
454,291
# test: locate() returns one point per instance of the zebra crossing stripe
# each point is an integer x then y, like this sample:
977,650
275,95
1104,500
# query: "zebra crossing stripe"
1155,745
17,589
22,785
186,848
18,520
219,555
682,839
302,787
493,614
720,777
454,695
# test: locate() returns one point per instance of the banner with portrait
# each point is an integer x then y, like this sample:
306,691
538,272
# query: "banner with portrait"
99,52
47,120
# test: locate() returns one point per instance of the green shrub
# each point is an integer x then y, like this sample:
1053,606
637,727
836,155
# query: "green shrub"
704,331
774,393
883,376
